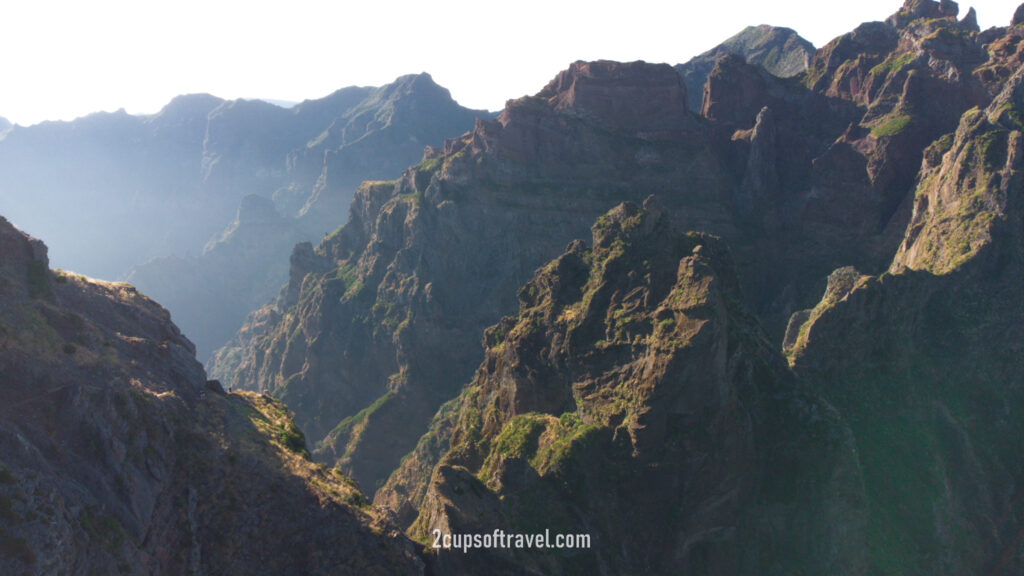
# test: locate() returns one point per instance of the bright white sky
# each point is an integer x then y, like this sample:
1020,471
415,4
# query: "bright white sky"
60,59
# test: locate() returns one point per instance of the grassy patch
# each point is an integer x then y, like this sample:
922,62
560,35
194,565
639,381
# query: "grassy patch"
893,64
559,442
413,197
891,125
347,424
293,439
519,436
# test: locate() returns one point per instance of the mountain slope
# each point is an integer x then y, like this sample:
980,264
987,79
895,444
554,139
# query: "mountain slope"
118,457
780,51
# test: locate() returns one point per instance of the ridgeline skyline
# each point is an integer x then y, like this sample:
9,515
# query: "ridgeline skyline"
67,60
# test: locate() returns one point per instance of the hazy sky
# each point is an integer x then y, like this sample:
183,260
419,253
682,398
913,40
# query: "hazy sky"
63,59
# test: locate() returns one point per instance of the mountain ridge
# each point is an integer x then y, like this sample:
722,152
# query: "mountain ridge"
118,456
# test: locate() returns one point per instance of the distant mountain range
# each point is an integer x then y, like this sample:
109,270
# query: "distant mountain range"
112,191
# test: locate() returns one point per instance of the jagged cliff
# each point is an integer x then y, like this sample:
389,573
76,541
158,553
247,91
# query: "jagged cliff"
118,457
633,398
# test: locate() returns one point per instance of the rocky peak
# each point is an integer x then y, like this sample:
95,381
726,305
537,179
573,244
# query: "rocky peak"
873,40
970,21
780,51
418,83
186,107
634,96
1018,16
915,9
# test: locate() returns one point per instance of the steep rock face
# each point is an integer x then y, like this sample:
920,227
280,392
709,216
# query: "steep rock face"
407,287
855,141
966,197
117,456
608,92
427,262
924,361
632,399
913,76
780,51
805,201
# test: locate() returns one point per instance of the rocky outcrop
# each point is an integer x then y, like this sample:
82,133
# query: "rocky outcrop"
632,399
779,51
917,9
966,198
117,456
632,97
760,185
